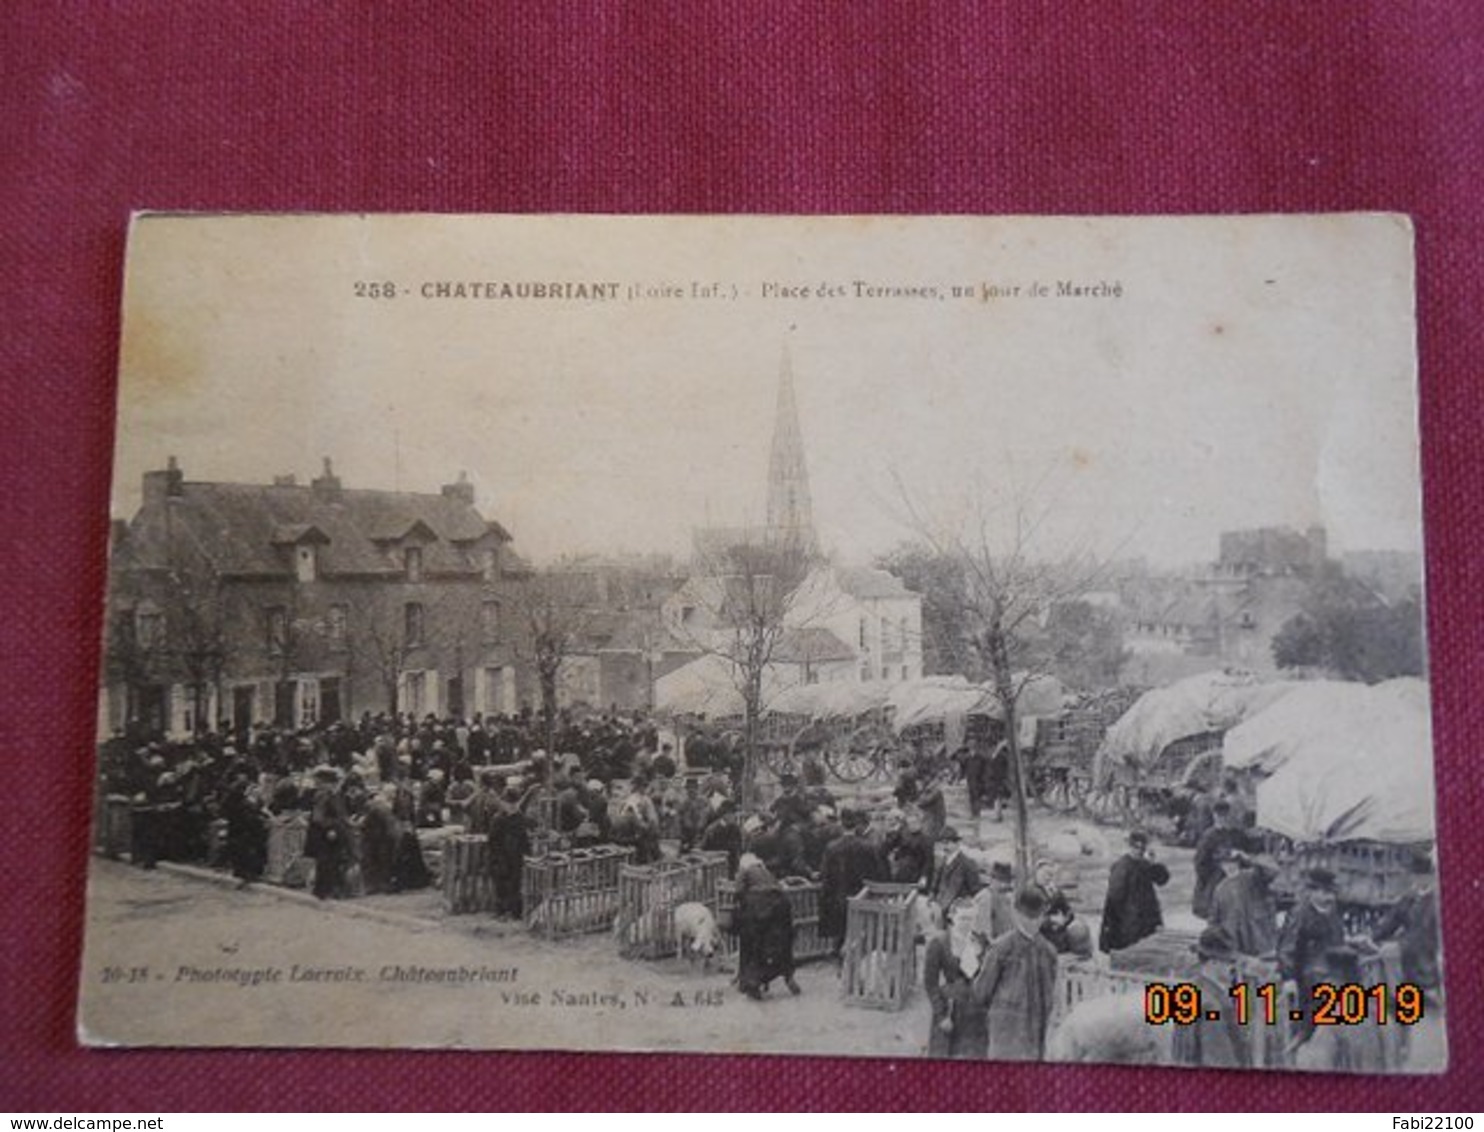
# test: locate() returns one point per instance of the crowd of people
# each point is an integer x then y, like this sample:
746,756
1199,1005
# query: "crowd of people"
991,938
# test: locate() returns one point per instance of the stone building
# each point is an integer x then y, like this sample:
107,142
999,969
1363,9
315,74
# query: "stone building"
297,604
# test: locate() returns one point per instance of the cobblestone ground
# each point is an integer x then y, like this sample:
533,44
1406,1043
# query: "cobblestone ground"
181,956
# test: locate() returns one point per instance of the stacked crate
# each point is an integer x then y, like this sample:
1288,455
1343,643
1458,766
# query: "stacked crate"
880,953
572,893
466,880
117,826
287,864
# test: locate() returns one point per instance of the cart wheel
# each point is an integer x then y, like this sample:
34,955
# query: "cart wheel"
864,753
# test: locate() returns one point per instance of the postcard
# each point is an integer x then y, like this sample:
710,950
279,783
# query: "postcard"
953,637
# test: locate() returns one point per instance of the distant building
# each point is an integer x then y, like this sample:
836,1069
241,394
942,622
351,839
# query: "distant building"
300,604
837,623
1226,614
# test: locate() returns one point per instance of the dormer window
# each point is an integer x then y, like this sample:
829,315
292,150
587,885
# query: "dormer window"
488,561
306,562
412,563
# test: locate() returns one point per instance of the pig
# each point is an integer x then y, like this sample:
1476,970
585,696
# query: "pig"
697,934
1111,1028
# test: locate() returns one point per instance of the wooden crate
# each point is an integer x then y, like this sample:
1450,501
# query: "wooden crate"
572,893
648,897
116,833
880,953
466,880
287,864
803,900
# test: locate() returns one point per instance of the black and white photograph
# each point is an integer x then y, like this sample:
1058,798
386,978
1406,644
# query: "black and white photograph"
974,638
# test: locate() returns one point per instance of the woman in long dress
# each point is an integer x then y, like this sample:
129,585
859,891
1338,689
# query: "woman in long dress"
765,930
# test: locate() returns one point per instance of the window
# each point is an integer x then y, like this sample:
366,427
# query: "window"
277,623
412,623
412,562
489,561
308,703
865,671
335,627
149,628
305,563
863,634
490,621
415,697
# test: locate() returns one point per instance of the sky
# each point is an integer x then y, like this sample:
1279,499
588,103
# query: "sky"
1205,374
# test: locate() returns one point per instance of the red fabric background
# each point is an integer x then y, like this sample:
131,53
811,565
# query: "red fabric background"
1102,107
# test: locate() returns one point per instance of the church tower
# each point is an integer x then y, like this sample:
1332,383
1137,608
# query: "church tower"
790,512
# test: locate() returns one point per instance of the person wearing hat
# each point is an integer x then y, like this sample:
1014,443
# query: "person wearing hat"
1413,922
1221,1042
1212,848
1131,910
693,814
509,845
1351,1047
1016,985
848,863
764,925
960,1025
327,840
955,874
996,901
791,808
1242,903
1312,928
909,851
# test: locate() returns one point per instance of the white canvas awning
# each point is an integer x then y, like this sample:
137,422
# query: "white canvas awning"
1348,762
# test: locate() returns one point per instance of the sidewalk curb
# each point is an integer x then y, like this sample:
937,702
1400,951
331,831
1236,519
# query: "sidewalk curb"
345,908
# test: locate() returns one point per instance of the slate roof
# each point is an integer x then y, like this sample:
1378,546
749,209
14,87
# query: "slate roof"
867,583
250,529
811,645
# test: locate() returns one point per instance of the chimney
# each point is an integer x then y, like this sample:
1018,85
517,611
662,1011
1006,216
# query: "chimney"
463,491
326,487
162,485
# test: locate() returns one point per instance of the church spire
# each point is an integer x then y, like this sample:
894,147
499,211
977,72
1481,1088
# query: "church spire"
790,513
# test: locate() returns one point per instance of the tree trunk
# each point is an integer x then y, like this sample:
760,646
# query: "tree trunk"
1004,684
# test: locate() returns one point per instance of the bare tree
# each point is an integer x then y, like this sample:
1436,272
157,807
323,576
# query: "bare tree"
748,592
553,612
1009,579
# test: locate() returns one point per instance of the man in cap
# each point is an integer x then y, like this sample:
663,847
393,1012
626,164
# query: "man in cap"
1220,1042
1313,927
1131,910
1017,984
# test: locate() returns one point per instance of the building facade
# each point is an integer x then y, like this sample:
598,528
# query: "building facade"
291,604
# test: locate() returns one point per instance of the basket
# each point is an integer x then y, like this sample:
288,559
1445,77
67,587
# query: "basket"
565,894
880,950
